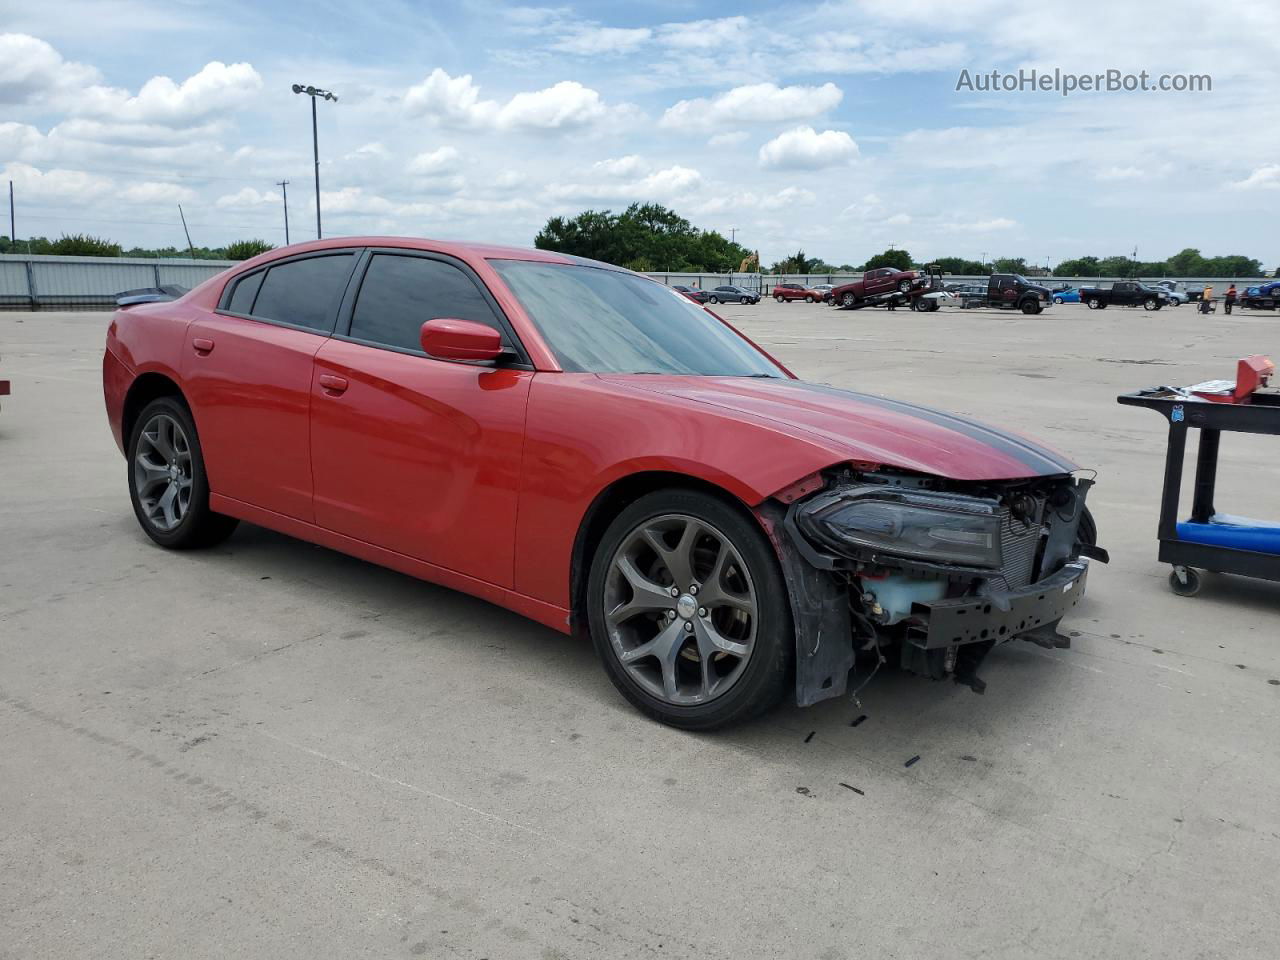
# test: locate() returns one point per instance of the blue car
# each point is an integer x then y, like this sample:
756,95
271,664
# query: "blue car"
1066,296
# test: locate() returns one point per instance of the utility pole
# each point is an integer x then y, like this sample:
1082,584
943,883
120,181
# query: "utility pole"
733,233
190,249
284,187
314,92
13,231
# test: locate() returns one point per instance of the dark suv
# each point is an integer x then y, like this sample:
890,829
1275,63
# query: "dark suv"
732,294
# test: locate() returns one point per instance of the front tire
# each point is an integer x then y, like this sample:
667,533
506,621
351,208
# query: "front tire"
717,651
1057,300
713,300
848,300
904,286
167,481
1151,303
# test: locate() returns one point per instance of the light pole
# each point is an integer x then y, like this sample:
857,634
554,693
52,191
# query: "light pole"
284,187
314,92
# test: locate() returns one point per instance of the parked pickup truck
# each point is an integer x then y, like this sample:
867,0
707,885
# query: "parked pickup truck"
1124,293
1012,291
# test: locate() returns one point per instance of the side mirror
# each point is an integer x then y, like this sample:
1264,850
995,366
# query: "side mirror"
448,339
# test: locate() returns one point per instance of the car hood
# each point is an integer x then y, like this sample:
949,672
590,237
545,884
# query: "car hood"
860,426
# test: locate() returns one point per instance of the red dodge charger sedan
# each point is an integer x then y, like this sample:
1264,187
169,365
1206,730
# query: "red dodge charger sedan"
584,446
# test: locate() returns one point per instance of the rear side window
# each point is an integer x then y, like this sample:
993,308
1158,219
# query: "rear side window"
304,293
245,292
399,294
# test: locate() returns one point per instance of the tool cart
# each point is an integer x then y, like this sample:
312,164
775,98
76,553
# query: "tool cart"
1210,540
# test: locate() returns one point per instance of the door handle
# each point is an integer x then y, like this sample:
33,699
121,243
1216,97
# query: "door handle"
203,345
334,386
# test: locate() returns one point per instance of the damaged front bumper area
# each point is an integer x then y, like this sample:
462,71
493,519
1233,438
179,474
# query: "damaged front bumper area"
939,572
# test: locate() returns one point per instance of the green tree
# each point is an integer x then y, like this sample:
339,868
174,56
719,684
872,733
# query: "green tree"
244,249
898,259
1187,263
83,245
1079,267
1009,265
645,236
962,267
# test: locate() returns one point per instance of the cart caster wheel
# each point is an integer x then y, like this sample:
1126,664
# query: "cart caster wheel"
1184,581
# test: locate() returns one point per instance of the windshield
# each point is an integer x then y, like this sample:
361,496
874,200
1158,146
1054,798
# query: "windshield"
605,321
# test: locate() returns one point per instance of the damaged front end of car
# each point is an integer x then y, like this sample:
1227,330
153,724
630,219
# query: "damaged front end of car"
939,571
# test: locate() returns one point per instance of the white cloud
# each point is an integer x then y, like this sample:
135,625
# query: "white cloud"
756,102
1121,173
1266,176
628,166
980,226
440,160
247,197
594,40
707,34
32,71
805,149
56,185
510,179
727,139
158,193
217,88
455,101
665,184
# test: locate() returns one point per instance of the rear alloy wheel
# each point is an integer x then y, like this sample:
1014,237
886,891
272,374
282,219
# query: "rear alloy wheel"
689,612
167,482
1093,303
1057,300
808,299
778,300
713,300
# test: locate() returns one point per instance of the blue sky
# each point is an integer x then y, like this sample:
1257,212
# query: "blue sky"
835,127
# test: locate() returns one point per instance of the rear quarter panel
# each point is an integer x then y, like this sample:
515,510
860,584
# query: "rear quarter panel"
144,339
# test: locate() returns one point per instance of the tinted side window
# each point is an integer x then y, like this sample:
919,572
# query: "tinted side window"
400,294
304,292
246,289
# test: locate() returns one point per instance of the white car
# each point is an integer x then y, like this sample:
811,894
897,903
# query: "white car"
1177,296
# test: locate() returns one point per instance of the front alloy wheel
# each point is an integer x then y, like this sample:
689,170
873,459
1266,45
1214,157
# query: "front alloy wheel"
848,300
689,612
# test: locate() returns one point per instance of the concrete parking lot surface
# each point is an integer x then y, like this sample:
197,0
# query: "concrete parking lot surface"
269,750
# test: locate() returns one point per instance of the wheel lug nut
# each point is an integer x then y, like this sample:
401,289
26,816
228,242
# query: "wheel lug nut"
687,626
693,588
702,611
675,591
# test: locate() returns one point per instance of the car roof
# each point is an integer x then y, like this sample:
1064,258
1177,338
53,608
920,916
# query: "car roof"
461,250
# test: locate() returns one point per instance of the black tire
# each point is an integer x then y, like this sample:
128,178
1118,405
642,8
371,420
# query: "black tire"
768,672
1151,303
1093,303
779,300
1057,300
904,286
848,300
713,300
808,299
1030,307
1188,589
199,526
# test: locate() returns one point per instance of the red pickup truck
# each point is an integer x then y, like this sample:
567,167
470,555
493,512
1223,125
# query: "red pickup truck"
873,283
795,291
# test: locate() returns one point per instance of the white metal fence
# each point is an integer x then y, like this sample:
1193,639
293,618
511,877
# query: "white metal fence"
35,282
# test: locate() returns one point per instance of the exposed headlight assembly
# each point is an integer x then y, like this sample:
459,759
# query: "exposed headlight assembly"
940,528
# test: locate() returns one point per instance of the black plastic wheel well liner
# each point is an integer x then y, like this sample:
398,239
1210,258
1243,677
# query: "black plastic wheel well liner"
611,501
144,389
